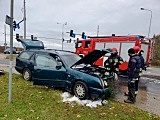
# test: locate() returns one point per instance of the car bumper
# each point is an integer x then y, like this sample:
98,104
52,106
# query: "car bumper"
99,93
18,69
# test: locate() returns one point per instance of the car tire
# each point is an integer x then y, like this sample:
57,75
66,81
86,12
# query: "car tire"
27,74
80,90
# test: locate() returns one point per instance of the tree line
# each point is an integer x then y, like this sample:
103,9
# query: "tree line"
156,51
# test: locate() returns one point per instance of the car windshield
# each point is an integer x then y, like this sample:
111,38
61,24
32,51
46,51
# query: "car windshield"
70,59
33,43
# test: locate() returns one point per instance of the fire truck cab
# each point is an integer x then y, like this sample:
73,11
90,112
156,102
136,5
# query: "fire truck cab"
122,43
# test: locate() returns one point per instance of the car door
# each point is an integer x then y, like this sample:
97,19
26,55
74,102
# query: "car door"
46,71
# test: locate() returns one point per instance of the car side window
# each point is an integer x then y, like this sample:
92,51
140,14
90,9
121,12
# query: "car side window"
45,61
26,55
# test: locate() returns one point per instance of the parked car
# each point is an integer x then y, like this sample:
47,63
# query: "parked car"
7,51
64,69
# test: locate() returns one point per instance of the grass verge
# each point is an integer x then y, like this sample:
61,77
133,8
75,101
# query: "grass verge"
40,103
8,56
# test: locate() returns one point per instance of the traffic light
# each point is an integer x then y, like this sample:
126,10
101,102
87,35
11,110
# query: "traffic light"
14,25
32,37
71,33
17,36
83,35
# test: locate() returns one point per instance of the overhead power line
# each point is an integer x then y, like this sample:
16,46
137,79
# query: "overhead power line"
39,37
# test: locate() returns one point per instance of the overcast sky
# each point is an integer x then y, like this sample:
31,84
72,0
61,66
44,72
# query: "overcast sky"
121,17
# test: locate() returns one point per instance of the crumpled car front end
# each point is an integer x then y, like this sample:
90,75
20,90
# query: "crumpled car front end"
94,76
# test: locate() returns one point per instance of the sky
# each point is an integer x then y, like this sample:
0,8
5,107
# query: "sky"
119,17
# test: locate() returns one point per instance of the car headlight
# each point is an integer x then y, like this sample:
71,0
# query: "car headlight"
103,83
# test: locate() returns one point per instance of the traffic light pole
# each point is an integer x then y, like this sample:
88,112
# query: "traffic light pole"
24,19
63,24
11,53
5,44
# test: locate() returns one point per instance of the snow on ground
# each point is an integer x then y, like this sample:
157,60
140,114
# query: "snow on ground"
70,99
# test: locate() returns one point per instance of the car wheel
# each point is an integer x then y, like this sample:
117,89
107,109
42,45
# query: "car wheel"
26,74
81,90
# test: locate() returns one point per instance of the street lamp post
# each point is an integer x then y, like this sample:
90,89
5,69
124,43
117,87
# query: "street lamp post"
63,24
150,19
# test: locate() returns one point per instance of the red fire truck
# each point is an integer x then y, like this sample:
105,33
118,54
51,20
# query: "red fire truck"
122,43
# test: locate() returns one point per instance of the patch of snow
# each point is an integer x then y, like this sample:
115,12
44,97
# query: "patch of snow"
69,99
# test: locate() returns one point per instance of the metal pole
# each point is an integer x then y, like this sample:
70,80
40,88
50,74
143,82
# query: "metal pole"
11,49
97,30
62,34
150,19
24,19
62,31
4,36
150,24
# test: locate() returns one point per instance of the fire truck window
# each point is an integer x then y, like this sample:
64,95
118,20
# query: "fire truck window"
87,44
78,45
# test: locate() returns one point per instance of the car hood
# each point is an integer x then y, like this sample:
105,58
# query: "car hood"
92,57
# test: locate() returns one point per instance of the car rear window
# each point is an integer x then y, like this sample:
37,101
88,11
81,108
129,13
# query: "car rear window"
26,55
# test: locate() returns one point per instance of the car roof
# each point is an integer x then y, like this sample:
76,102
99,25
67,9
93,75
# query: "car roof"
54,51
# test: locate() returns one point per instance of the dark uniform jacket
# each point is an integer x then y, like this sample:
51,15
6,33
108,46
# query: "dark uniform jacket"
134,67
113,62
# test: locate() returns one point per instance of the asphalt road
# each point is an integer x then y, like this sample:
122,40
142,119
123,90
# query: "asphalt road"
148,95
4,63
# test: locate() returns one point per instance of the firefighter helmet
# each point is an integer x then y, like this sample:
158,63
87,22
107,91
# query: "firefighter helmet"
115,50
137,49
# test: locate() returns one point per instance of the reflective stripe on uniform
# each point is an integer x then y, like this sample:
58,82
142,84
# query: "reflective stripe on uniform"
107,64
140,74
134,79
117,69
140,69
121,62
136,92
115,60
108,68
110,60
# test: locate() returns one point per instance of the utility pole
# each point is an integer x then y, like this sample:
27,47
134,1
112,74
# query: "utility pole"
11,53
24,19
63,24
5,44
97,30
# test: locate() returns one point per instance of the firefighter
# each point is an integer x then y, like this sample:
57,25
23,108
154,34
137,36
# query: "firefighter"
113,62
133,71
138,51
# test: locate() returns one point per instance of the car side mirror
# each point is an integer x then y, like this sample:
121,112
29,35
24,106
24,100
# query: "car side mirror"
58,67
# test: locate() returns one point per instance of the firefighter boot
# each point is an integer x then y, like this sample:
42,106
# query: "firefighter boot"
129,98
128,101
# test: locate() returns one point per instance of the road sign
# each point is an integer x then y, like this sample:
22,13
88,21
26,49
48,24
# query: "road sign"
8,20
